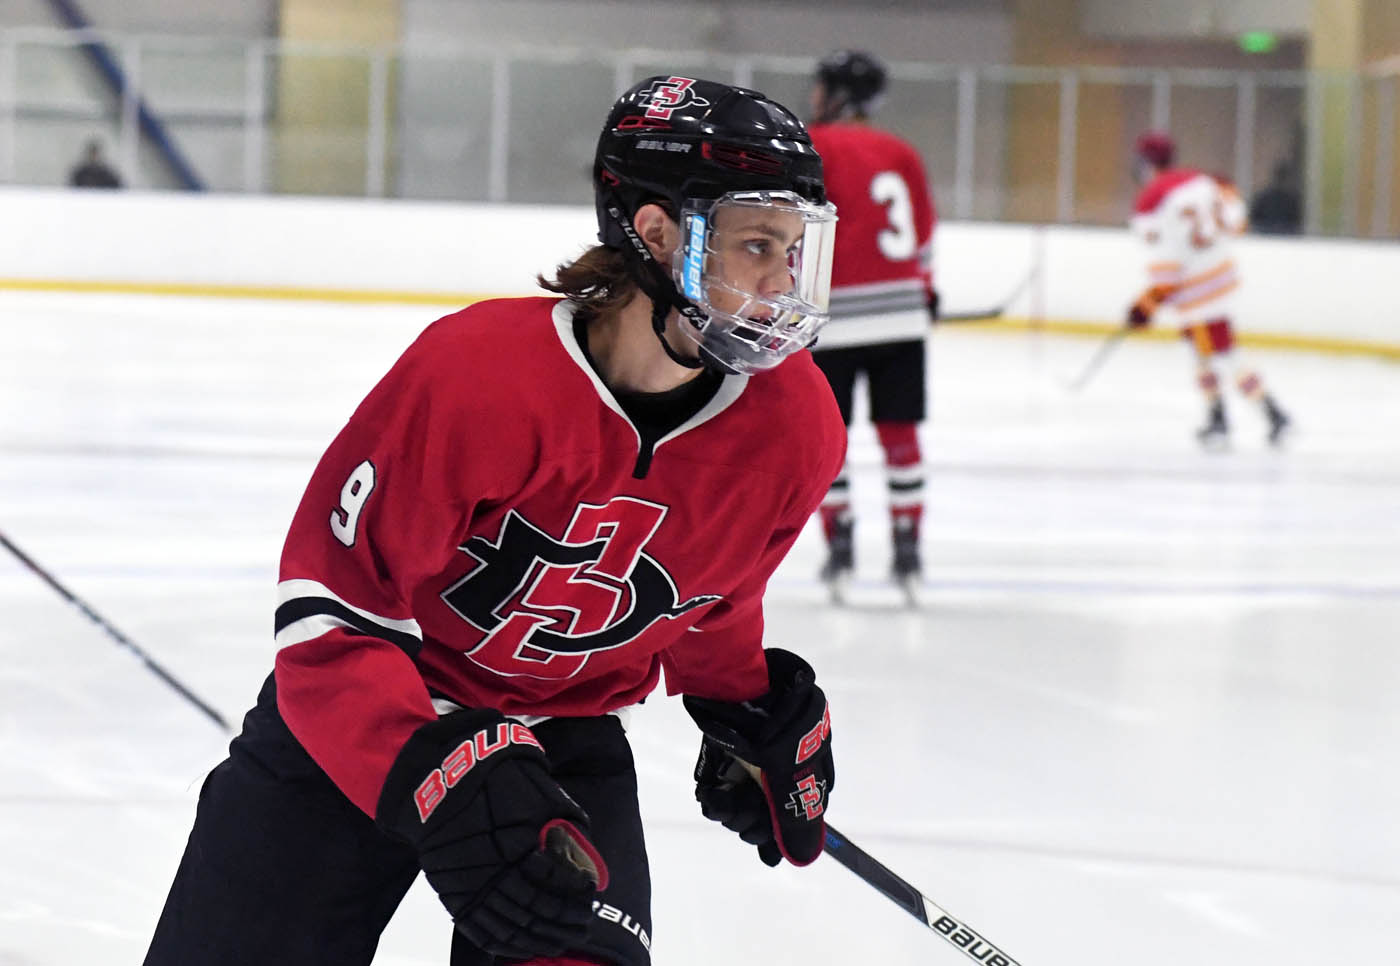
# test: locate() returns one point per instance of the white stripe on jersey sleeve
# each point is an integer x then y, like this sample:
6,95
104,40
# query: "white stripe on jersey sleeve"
313,626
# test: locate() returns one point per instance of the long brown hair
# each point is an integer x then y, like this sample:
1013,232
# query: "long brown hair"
598,280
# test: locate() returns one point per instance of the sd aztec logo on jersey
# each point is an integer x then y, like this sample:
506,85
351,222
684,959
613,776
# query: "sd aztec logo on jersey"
545,605
665,96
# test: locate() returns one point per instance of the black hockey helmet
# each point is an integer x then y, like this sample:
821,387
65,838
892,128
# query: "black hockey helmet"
676,139
852,78
702,149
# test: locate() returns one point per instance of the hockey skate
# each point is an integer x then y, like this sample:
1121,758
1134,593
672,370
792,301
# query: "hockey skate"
907,569
1215,434
1278,421
840,561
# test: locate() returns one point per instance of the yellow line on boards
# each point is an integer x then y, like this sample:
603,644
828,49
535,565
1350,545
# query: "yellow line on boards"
203,290
1263,340
1259,340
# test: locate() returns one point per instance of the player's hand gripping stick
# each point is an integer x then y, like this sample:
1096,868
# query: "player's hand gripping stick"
785,736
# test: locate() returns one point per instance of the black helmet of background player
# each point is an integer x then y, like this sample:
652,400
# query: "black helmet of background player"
850,83
697,147
1153,152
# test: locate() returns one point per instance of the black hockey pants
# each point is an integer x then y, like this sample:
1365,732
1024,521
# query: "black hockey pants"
281,868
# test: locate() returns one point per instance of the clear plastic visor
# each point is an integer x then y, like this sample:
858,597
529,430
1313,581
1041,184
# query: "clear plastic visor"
760,263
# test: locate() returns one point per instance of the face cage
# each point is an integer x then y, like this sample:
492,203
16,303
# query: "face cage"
762,330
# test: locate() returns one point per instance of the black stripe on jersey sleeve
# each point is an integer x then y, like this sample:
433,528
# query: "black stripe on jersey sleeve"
298,608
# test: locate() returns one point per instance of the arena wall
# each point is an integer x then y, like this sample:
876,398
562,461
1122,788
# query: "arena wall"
1328,295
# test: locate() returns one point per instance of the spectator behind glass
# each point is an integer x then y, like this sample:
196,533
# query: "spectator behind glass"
94,171
1276,208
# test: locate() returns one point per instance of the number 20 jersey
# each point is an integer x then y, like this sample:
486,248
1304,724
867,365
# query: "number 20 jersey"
486,529
1187,220
882,268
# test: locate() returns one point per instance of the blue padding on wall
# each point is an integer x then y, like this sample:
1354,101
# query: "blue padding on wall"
151,126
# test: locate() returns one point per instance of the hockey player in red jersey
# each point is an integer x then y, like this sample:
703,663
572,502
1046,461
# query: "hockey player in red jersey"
543,505
882,299
1187,218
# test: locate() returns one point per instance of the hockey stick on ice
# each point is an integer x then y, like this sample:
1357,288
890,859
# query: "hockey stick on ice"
988,314
958,933
1104,351
115,634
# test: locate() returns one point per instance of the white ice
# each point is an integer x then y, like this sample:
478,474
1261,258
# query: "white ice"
1149,713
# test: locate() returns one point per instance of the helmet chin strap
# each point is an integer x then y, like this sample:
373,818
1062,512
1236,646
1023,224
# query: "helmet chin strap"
659,311
657,286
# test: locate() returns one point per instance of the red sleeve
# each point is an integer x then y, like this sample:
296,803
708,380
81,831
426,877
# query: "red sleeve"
376,518
925,217
722,656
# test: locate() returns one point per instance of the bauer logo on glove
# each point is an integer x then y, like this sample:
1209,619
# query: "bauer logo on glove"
463,759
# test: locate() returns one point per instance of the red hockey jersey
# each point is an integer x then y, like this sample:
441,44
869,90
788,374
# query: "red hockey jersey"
882,268
485,529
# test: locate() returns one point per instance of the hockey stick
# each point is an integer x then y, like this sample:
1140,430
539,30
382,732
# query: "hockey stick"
995,312
115,634
969,942
1104,351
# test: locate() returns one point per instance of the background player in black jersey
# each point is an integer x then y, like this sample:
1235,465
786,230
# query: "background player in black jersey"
541,505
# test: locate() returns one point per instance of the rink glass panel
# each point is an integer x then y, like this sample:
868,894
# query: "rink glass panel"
54,107
463,121
443,137
208,123
556,111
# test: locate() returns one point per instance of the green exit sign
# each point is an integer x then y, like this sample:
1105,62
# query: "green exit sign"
1258,42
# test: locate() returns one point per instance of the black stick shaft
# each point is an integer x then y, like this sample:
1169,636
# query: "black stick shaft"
1103,352
983,315
958,934
989,314
115,634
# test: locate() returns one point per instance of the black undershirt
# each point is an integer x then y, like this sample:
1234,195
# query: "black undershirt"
655,414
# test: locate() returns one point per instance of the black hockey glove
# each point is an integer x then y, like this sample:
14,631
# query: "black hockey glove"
504,846
786,737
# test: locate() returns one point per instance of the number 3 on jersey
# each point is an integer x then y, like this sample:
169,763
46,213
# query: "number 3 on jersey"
899,241
353,494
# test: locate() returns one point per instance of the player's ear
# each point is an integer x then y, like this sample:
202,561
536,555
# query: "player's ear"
658,229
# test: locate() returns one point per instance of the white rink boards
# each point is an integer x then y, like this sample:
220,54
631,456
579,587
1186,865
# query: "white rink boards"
1147,715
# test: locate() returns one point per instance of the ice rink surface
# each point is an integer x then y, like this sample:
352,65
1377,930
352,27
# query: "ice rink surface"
1149,713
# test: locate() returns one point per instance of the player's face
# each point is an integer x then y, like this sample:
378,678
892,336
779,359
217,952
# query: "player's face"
754,250
757,264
